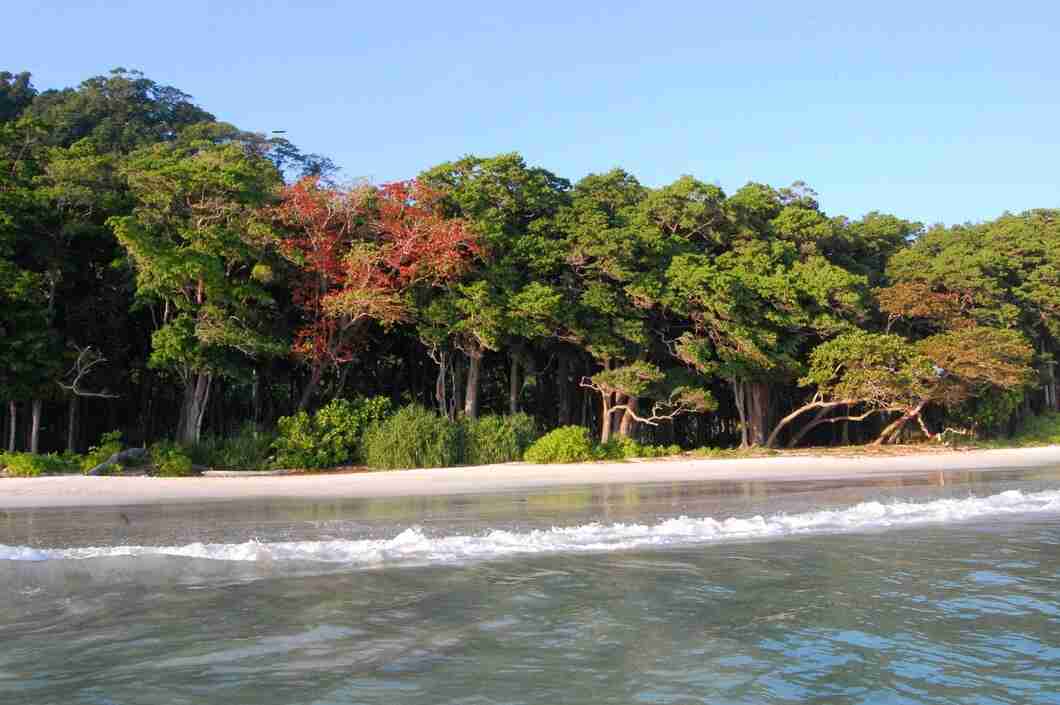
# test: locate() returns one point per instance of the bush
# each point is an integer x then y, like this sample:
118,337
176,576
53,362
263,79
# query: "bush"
413,438
1038,430
109,444
35,465
249,449
625,448
567,444
497,439
331,436
171,460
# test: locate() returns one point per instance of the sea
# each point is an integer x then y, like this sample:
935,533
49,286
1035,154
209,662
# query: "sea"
929,588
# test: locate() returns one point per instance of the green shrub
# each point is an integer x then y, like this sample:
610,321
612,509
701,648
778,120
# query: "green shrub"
170,459
567,444
413,438
109,444
36,464
497,439
330,437
625,448
1038,430
249,449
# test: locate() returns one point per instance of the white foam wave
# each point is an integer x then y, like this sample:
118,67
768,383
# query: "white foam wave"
413,547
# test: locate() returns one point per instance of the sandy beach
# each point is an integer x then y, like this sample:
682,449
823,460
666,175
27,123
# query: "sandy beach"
81,491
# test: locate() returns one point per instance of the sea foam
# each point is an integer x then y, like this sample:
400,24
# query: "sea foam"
413,547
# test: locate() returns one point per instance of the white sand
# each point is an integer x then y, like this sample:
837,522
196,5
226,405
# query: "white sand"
80,491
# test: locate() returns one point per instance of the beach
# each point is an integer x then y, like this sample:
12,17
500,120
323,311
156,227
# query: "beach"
82,491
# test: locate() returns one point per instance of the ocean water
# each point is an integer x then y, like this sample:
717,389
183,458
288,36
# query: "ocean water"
926,589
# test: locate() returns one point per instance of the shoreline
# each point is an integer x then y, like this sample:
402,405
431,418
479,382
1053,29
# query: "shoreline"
72,491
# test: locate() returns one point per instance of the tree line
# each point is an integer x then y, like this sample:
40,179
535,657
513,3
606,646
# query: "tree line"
171,275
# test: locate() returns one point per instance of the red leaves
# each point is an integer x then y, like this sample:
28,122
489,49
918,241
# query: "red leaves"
358,250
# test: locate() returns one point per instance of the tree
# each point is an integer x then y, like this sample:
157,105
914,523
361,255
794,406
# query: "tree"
198,239
510,206
1002,274
672,394
884,373
358,253
762,296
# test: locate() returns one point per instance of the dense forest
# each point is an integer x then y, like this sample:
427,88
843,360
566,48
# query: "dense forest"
167,275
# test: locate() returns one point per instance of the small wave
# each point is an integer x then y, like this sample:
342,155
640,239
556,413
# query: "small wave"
413,547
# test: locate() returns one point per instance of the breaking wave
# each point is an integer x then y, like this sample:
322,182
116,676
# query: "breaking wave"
414,547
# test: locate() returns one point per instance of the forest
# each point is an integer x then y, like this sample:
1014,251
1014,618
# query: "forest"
168,277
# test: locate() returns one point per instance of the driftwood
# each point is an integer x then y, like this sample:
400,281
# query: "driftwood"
118,458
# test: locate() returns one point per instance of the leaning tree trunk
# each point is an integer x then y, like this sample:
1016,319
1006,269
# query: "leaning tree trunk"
474,374
34,430
892,431
193,408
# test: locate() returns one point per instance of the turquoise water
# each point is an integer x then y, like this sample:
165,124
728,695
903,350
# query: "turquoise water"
915,590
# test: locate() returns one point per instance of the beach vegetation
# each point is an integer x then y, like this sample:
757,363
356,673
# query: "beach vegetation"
413,437
173,276
37,464
170,459
249,448
331,436
109,444
492,439
568,444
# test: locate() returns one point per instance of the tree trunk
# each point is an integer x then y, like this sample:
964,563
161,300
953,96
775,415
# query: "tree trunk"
34,429
310,386
193,407
440,395
628,424
458,384
474,372
896,427
12,408
605,418
759,411
563,389
739,398
71,423
515,386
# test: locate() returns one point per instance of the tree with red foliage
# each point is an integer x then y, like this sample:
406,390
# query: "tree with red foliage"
358,252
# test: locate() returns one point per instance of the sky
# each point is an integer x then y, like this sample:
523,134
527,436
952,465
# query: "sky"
936,111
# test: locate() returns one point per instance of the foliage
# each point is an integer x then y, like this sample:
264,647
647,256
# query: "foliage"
249,449
627,448
109,444
34,465
413,437
197,260
331,436
567,444
1039,430
497,439
171,460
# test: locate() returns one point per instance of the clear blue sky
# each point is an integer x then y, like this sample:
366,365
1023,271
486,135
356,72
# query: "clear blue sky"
934,110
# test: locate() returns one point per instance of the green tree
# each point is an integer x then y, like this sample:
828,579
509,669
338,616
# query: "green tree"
761,297
511,207
198,238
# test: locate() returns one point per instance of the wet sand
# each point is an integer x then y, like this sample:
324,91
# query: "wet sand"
81,491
